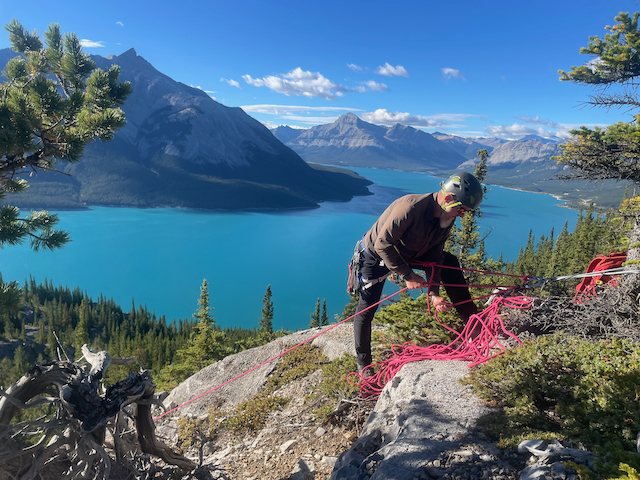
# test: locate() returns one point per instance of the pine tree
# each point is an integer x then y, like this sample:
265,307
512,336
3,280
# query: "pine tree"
5,369
315,316
266,317
324,319
612,152
20,364
205,347
54,102
81,333
9,295
41,336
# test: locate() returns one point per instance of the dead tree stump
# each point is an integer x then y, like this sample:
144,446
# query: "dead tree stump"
74,431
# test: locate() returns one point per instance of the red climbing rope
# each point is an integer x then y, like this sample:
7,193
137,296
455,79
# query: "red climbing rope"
478,342
587,288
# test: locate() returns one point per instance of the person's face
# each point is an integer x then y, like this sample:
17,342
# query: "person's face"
451,204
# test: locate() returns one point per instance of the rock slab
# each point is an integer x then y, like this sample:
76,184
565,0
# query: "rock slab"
423,411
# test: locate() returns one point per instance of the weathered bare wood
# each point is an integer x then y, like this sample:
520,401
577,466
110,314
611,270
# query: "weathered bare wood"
147,436
78,430
125,442
99,362
35,382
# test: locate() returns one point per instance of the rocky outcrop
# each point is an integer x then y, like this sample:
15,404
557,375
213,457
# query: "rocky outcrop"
422,412
423,426
335,343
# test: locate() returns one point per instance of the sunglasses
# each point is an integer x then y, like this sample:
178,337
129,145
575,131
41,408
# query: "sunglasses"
461,208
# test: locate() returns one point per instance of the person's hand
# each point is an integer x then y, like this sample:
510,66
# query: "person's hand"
440,304
416,282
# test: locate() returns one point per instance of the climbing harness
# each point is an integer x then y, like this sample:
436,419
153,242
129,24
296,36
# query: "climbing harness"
354,267
355,281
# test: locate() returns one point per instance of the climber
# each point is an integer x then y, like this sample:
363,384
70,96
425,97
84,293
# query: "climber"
413,228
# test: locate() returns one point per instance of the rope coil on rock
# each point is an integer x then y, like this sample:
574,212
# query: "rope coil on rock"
477,342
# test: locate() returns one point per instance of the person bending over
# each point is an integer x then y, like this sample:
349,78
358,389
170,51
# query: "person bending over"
414,228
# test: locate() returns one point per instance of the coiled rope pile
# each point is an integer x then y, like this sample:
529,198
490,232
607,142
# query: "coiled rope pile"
478,342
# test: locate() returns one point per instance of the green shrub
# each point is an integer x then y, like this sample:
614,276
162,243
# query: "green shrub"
194,432
409,321
579,390
297,363
252,414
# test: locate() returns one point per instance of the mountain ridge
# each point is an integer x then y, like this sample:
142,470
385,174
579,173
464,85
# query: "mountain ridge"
350,141
523,164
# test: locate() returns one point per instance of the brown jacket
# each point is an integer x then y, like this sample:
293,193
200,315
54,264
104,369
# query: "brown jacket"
406,231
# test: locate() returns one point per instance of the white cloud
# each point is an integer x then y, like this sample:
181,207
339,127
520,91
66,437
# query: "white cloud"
120,23
384,117
231,82
538,121
91,44
517,130
301,114
391,71
354,67
371,85
281,109
299,82
450,73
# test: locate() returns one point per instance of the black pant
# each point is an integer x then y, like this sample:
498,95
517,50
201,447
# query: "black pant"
370,268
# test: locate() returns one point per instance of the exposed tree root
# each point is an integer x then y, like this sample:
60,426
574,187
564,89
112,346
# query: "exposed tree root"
73,433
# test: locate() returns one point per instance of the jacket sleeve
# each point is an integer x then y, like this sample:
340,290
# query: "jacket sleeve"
389,236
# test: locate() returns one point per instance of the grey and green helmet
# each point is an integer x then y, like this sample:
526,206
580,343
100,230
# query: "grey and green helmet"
466,188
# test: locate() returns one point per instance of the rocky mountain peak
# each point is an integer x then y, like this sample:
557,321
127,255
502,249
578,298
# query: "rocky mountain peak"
348,118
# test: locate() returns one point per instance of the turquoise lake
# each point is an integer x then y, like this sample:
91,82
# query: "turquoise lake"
158,257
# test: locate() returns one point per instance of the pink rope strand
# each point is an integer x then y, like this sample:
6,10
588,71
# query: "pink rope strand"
478,342
274,357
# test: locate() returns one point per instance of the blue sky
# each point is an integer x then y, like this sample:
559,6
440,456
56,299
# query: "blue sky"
467,68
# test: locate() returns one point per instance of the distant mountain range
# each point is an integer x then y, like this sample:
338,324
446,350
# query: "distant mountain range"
523,164
181,148
352,142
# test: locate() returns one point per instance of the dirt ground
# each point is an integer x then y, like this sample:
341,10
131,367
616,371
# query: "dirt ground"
294,441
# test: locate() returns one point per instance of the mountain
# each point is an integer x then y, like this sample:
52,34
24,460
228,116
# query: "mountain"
181,148
350,141
468,147
285,133
528,164
524,164
552,139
